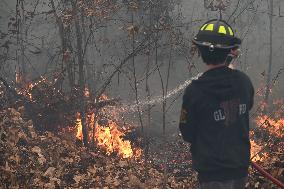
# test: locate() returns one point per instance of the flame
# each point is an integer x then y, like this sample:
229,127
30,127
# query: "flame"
27,87
107,135
111,139
255,149
79,126
274,122
18,78
272,125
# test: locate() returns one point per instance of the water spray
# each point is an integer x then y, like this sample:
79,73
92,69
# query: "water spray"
132,107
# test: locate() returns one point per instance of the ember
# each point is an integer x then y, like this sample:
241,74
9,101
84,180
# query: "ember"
27,88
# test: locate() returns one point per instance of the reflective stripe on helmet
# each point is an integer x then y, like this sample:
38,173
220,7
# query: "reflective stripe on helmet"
222,29
230,31
202,28
210,27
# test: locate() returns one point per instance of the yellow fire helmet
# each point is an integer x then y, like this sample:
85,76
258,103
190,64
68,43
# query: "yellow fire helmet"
216,34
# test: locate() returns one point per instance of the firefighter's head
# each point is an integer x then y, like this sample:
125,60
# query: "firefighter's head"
216,41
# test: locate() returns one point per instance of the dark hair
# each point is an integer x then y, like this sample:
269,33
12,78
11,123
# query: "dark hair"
215,57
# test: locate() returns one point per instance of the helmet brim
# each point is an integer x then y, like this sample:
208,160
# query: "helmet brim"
219,46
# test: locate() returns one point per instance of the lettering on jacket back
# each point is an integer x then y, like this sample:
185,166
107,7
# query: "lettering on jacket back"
229,111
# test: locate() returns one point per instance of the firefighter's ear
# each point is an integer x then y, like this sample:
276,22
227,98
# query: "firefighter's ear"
235,52
183,116
194,50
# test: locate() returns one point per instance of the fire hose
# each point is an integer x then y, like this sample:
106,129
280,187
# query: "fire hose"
267,175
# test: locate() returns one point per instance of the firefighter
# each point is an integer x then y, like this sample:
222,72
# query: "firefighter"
215,111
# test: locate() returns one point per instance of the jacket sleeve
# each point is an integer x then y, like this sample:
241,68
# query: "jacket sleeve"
187,120
252,97
250,89
251,94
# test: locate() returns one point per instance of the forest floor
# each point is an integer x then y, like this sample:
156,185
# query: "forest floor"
30,159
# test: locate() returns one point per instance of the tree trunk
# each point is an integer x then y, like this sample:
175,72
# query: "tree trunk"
64,48
81,72
268,82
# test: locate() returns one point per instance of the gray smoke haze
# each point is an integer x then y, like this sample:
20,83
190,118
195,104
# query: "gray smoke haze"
110,41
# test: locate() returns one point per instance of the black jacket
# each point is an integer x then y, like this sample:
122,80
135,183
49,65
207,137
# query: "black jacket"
215,120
